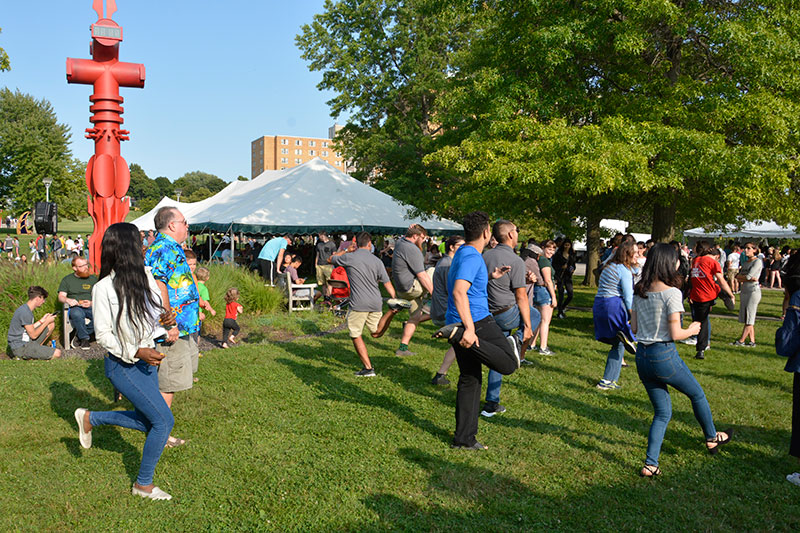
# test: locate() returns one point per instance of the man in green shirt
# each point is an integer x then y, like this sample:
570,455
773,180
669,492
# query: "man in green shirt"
75,290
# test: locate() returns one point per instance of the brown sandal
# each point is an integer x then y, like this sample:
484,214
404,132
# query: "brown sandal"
174,442
719,441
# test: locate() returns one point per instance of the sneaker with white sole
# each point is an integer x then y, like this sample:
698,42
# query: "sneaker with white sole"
365,373
492,408
515,345
84,437
155,494
396,304
404,353
605,384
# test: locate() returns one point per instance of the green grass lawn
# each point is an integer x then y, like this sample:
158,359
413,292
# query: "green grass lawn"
283,437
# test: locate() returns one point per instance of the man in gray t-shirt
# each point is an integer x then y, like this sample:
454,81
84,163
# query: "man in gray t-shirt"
26,337
408,273
508,302
364,273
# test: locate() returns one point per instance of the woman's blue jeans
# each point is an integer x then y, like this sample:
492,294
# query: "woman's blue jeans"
614,362
507,321
139,383
659,365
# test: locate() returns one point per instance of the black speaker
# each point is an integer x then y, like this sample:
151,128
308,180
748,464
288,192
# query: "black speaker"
45,217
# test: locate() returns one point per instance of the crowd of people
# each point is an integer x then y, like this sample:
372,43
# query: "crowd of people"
491,296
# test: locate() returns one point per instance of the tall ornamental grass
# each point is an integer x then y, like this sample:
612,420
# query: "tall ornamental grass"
255,297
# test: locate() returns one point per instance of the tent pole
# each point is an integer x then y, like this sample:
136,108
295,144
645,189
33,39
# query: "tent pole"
209,245
233,249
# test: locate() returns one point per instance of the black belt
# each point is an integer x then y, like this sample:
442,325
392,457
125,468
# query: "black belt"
503,310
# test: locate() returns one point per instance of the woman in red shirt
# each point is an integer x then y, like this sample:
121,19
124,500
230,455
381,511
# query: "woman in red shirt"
706,279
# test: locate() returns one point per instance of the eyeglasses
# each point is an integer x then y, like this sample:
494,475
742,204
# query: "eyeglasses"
184,222
84,265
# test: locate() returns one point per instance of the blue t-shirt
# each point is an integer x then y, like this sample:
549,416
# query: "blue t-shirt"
272,248
468,265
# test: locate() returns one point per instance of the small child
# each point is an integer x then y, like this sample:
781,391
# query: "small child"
230,328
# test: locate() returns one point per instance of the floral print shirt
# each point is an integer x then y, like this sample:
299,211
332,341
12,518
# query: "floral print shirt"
168,264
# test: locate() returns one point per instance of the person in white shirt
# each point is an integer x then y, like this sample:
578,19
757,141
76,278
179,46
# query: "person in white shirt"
733,263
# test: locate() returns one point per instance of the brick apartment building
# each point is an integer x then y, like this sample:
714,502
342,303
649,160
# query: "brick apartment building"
279,152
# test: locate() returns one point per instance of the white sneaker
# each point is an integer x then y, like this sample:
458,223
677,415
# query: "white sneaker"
155,494
794,478
85,437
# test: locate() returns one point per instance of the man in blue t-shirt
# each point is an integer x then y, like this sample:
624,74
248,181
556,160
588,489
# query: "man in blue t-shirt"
471,329
270,258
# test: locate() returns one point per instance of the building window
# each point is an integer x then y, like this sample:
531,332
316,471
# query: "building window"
338,154
324,144
284,150
284,160
284,141
298,152
298,142
324,153
338,163
298,161
311,152
312,143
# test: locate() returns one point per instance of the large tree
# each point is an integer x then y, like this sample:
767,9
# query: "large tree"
686,108
33,146
387,61
191,182
5,63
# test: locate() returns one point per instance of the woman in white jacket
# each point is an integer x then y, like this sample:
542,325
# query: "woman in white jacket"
126,303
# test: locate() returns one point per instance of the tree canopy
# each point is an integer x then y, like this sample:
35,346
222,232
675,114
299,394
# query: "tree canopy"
5,62
33,146
192,182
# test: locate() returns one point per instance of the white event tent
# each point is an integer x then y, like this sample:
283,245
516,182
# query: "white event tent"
306,199
754,230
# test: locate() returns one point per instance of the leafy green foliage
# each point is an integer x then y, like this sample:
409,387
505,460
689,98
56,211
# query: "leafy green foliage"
5,63
165,187
142,187
191,182
33,145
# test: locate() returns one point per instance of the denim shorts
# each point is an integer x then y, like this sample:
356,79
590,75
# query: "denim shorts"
541,296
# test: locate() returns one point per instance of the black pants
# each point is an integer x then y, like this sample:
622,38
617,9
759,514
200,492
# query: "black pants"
229,326
794,443
564,284
700,312
496,353
268,270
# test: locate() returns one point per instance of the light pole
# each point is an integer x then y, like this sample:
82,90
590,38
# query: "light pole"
47,182
178,192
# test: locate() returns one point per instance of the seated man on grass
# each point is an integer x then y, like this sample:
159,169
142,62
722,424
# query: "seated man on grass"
75,290
26,337
365,273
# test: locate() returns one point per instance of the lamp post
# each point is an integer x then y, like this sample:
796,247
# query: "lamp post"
47,182
178,192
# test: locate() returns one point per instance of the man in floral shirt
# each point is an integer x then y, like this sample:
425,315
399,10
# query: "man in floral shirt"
168,265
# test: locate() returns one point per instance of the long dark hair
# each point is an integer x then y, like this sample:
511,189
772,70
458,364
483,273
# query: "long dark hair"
791,274
660,266
122,253
571,252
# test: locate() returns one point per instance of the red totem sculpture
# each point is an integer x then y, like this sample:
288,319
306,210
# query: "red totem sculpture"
107,174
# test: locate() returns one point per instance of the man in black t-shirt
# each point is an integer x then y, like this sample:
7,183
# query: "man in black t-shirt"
324,249
75,290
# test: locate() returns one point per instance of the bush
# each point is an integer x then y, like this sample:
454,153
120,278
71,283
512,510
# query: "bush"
14,283
254,296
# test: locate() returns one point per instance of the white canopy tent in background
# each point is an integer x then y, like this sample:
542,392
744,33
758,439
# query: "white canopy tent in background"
750,230
306,199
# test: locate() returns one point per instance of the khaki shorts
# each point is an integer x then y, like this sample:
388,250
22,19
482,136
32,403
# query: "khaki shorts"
414,295
324,274
175,370
730,275
356,320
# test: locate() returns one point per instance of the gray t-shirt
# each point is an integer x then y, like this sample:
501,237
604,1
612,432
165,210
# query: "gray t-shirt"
501,290
17,336
364,272
439,296
652,314
407,262
324,251
751,269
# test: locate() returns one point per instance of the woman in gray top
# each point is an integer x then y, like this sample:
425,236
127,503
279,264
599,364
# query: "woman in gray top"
748,276
656,321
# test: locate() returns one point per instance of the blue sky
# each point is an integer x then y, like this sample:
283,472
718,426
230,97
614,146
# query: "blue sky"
219,75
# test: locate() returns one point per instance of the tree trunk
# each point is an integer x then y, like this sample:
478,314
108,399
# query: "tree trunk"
592,250
663,221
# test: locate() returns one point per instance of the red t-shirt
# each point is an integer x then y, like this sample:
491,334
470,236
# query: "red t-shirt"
704,285
232,310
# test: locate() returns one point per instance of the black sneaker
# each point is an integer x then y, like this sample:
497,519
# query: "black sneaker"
448,331
476,446
526,362
441,380
515,346
365,373
629,345
85,344
492,408
76,343
700,355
